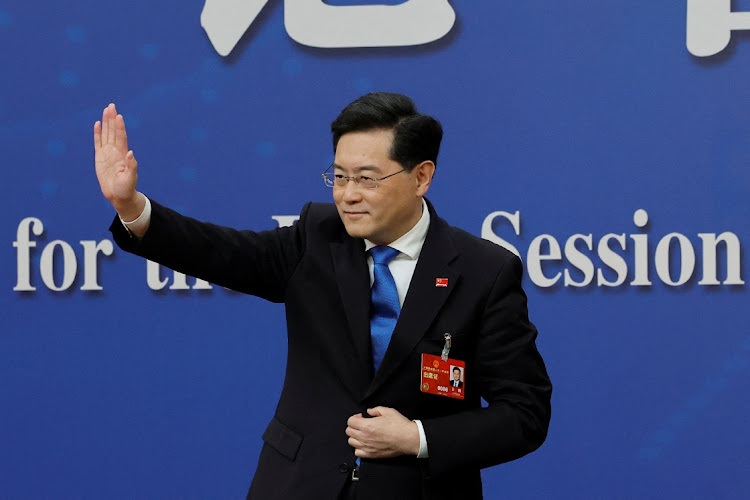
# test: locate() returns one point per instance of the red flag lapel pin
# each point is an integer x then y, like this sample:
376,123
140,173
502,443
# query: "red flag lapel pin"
441,282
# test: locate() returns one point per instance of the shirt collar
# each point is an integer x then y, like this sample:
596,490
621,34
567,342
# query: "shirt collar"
410,244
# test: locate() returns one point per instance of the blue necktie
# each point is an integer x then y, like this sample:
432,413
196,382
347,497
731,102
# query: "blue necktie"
384,305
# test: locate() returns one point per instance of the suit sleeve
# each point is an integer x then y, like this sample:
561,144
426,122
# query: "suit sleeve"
257,263
513,380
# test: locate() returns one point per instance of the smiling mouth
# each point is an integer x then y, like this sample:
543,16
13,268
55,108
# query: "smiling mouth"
354,215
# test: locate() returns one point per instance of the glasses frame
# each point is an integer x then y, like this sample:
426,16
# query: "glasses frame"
329,178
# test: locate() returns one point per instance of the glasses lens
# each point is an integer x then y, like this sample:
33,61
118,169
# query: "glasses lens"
328,179
367,183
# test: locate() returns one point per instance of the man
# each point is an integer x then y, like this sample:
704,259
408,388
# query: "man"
456,382
368,430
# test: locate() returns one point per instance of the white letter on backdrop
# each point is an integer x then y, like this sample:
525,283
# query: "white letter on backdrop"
317,24
710,24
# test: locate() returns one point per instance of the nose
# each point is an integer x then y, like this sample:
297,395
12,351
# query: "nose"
352,192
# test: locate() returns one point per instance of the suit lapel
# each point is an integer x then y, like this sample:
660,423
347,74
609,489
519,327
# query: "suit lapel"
352,276
423,300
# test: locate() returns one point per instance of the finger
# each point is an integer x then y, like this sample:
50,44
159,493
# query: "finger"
97,136
121,137
111,114
360,449
105,125
360,436
355,421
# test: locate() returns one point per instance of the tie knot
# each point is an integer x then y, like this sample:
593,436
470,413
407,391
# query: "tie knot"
383,254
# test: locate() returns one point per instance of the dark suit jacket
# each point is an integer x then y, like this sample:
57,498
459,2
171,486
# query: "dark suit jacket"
321,275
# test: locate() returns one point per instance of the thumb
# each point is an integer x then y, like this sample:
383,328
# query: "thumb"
376,412
130,159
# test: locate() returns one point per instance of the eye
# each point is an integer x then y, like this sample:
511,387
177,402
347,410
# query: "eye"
367,182
338,177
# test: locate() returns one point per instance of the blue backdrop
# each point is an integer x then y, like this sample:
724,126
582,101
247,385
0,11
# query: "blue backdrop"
585,118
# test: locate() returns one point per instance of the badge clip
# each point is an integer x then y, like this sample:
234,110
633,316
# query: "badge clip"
446,347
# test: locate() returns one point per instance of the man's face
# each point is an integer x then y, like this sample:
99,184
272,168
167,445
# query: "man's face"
456,374
387,212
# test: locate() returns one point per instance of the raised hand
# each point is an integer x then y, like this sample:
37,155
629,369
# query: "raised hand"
116,167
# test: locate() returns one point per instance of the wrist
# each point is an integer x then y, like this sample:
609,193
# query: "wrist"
130,209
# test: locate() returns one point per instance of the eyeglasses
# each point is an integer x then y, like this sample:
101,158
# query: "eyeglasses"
363,181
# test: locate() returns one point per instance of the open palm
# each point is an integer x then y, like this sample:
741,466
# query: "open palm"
116,167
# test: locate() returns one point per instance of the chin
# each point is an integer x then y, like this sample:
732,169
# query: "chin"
355,231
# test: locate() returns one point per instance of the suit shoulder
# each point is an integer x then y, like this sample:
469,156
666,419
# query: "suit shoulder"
321,210
322,218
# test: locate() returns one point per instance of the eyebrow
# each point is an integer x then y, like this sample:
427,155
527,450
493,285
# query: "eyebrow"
358,169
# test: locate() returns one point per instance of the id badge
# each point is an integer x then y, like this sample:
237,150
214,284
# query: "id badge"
443,377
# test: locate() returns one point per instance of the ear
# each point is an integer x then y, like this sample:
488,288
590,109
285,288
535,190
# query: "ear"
422,175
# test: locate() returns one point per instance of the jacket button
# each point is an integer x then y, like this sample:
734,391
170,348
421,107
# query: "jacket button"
344,468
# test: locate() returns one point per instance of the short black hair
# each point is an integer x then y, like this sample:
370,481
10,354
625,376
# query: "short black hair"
457,368
416,137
